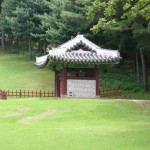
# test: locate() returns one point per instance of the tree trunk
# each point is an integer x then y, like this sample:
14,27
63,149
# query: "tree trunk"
17,41
3,40
137,68
39,45
30,48
135,74
44,47
144,68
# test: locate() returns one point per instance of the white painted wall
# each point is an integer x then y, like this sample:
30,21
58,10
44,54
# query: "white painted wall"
82,88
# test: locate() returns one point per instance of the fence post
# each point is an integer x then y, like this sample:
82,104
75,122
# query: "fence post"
20,93
40,94
36,93
32,93
24,93
28,93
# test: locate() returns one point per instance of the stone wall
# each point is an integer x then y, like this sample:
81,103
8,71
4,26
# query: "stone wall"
82,88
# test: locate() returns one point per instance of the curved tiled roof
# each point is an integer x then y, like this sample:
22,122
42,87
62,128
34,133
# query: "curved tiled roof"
83,58
41,61
81,40
67,53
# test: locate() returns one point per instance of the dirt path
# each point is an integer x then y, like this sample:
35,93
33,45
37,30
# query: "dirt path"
20,111
29,120
142,103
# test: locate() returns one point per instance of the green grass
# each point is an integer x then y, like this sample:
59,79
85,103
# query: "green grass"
74,124
65,124
17,72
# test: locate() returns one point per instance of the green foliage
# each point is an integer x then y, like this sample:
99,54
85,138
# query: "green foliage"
123,77
19,17
141,33
124,16
117,24
113,11
67,21
129,18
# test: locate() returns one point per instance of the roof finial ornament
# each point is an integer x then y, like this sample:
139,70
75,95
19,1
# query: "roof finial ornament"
78,33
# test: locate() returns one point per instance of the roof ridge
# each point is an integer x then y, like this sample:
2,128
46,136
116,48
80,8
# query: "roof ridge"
82,39
66,42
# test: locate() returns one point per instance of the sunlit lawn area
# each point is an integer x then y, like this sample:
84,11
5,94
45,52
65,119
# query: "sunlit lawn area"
71,124
65,124
17,72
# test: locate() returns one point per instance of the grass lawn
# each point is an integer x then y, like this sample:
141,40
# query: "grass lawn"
17,72
65,124
69,124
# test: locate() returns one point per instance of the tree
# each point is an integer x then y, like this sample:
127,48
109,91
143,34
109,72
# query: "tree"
124,16
19,19
2,31
67,21
143,37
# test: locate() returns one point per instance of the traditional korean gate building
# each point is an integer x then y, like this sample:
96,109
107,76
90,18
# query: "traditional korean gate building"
76,64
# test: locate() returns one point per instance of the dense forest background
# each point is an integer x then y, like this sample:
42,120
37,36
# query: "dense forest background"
34,25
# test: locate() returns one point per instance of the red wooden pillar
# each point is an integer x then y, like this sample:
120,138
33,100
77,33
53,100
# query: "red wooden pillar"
64,80
55,83
97,81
